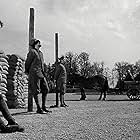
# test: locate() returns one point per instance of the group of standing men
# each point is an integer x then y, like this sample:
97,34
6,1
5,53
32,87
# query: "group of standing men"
34,68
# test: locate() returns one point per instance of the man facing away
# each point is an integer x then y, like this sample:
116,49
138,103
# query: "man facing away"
60,78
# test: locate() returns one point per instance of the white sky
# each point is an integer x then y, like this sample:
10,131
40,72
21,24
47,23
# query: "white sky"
109,30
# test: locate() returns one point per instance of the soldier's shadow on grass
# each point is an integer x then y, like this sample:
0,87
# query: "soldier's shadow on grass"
23,113
27,113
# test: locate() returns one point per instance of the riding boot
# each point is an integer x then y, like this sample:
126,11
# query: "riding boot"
61,100
5,111
64,102
39,110
44,97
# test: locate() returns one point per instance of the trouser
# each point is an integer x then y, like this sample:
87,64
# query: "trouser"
38,85
61,88
5,112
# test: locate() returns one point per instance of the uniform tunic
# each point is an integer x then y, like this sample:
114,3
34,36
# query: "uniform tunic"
34,63
34,66
61,78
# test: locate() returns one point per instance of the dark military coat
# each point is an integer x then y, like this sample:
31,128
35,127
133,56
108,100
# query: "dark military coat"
34,63
60,73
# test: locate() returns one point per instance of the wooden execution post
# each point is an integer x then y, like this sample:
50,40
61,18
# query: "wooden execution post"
31,26
31,36
56,59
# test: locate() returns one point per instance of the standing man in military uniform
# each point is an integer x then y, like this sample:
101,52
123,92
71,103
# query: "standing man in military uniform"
60,79
34,67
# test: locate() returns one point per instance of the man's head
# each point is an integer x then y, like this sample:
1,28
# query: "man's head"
61,59
36,44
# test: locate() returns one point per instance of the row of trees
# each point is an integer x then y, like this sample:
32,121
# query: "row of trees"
80,63
122,67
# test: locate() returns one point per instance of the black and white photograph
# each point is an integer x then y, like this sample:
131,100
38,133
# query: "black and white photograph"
69,69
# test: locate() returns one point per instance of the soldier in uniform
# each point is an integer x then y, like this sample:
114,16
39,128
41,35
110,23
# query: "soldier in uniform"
60,78
34,68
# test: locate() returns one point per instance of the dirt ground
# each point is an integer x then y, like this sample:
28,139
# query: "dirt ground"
117,118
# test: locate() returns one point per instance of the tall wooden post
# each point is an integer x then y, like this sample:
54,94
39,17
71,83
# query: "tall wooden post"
31,26
31,36
56,59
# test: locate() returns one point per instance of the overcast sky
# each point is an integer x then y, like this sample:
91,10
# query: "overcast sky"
109,30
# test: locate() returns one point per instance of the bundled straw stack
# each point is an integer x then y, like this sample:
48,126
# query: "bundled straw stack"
4,71
16,82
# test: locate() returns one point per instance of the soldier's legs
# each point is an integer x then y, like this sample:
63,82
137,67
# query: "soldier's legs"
62,93
5,111
44,90
61,99
59,90
12,125
2,125
35,89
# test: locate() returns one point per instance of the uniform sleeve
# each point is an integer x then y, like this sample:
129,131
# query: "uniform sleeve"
29,60
57,73
42,61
